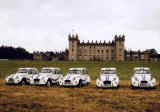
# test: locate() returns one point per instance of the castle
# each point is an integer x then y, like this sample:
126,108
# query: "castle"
111,51
98,51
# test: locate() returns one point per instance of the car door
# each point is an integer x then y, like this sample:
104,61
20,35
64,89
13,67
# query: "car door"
55,75
34,72
29,75
84,76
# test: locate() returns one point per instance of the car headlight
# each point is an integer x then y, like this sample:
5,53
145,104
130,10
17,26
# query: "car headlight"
136,79
73,79
42,78
17,77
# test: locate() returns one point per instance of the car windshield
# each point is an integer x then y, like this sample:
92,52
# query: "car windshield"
22,71
46,71
74,71
142,71
108,72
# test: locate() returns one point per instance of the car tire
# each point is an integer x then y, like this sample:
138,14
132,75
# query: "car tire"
79,84
23,82
133,87
49,83
117,87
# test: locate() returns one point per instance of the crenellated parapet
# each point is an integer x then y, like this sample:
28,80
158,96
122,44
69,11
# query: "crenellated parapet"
96,43
73,37
120,37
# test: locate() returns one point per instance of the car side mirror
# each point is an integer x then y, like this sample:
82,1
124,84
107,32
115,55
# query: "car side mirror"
152,73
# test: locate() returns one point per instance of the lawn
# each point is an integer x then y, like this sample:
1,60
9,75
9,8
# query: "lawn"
85,99
123,68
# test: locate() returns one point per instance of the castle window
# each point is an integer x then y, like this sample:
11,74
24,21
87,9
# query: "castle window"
106,51
72,50
90,47
72,41
98,51
107,57
102,51
72,46
120,50
112,51
112,57
120,42
94,47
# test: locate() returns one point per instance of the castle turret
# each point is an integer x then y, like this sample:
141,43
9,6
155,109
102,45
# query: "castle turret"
73,44
119,41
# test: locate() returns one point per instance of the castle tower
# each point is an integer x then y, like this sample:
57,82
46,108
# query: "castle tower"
119,41
73,44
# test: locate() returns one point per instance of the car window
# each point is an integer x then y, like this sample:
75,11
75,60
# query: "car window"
54,71
34,71
83,72
86,71
30,71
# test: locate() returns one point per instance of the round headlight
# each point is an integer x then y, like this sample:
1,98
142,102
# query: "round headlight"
74,78
16,77
136,79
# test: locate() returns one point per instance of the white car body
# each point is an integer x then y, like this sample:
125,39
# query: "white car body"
108,78
23,76
76,77
142,78
48,77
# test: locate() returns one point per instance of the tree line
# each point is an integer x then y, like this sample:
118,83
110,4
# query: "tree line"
9,52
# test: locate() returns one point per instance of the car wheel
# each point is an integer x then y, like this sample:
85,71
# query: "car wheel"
117,86
48,84
132,87
24,82
79,84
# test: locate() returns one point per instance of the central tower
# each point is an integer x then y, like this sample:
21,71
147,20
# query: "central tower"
73,44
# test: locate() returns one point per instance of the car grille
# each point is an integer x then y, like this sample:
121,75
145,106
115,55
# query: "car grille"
67,81
107,82
36,79
144,81
11,79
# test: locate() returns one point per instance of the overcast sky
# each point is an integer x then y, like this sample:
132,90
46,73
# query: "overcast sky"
43,25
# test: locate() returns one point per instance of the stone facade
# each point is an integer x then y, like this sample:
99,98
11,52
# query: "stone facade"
111,51
136,56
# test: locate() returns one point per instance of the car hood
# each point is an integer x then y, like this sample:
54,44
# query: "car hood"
16,74
71,76
109,77
141,77
40,75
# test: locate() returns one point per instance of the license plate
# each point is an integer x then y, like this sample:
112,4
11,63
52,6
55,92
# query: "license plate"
107,85
144,85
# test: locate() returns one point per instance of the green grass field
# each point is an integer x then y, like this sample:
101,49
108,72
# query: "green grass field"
85,99
123,68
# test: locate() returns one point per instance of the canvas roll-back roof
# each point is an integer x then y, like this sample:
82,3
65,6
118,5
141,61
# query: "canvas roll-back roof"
28,68
141,68
109,68
77,68
51,68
